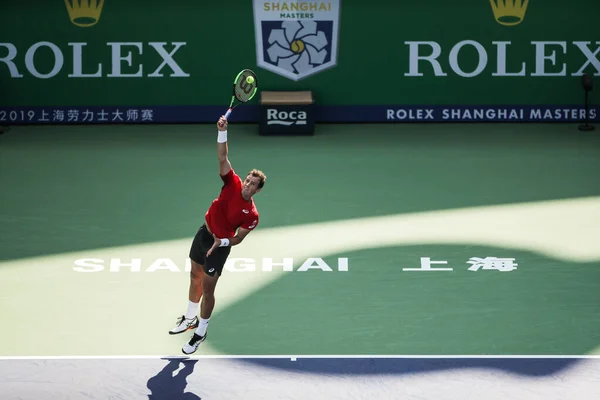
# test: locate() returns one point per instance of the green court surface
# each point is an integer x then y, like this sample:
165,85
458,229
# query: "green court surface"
96,223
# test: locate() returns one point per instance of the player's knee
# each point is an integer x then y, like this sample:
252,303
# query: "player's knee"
196,273
208,294
208,287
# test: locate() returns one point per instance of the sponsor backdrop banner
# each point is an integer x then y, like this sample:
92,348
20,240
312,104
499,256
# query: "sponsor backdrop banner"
149,61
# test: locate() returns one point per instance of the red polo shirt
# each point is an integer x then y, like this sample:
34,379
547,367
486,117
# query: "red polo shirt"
230,211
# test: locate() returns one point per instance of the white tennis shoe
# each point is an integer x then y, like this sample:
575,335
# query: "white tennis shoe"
193,344
184,324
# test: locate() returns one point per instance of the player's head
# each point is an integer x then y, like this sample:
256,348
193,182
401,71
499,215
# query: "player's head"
254,182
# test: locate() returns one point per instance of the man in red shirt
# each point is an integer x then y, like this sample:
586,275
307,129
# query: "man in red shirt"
232,211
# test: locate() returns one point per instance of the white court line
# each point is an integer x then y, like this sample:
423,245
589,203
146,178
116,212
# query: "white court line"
297,357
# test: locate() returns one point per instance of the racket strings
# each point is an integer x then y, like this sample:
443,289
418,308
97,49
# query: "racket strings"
243,90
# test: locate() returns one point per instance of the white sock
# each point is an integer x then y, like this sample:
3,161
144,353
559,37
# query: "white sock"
192,310
201,330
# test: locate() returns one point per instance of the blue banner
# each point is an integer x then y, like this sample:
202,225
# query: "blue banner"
250,114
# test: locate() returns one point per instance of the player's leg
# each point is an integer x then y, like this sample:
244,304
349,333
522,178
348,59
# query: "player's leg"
195,293
209,283
212,272
190,320
197,255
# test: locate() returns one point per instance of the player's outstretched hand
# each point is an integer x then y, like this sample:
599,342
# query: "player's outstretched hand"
216,244
222,123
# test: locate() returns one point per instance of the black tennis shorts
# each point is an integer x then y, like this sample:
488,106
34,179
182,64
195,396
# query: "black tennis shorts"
214,263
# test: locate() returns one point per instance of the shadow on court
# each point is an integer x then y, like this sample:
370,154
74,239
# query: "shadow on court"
167,386
531,367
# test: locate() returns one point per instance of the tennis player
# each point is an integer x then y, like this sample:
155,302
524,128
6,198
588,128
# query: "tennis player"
229,219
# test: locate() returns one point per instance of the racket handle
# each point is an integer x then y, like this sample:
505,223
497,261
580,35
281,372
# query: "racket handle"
228,113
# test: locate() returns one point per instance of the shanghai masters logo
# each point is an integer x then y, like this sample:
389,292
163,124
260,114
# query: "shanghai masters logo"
509,12
296,39
84,13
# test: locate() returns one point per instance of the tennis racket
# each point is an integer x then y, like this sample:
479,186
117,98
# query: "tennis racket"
245,86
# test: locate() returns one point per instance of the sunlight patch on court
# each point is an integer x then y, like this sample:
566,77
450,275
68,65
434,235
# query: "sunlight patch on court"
130,313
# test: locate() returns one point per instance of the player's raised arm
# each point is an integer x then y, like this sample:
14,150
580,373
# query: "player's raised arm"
224,164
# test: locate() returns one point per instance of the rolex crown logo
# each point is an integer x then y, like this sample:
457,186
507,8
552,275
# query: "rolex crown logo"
509,12
84,13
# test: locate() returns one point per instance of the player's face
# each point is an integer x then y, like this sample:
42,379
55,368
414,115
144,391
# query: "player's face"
250,185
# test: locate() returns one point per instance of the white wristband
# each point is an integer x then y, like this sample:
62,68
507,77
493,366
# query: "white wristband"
224,243
222,137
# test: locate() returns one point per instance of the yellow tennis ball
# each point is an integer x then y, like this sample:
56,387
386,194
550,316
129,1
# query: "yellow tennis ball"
297,46
250,80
